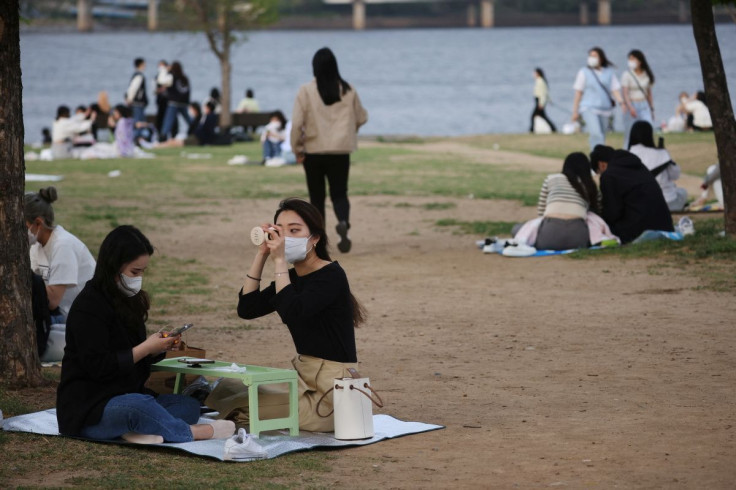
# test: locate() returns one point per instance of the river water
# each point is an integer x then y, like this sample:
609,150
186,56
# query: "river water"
422,82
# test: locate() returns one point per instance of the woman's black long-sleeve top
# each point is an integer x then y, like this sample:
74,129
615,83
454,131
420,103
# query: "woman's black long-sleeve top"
317,308
98,361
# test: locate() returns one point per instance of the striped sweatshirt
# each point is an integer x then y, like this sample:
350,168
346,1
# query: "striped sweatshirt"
558,196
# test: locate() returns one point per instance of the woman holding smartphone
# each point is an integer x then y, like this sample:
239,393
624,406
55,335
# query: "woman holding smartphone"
313,299
108,357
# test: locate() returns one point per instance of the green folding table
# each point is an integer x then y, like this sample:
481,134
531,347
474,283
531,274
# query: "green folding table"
252,377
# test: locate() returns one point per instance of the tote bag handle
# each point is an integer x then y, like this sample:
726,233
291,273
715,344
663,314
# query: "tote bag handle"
378,403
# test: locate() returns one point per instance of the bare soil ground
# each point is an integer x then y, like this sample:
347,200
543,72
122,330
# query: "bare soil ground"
546,372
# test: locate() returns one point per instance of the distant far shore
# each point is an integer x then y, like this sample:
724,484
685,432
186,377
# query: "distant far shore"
344,22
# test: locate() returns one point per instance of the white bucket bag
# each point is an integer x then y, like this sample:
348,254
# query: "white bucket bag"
352,401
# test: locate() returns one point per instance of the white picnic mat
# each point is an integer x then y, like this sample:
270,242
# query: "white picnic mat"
385,427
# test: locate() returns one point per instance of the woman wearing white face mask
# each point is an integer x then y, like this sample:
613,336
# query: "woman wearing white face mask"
596,92
636,83
108,357
314,301
60,258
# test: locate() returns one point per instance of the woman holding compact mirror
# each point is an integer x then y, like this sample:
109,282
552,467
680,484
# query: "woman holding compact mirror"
313,299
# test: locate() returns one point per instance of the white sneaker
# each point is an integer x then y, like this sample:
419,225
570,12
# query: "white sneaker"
242,447
518,250
685,226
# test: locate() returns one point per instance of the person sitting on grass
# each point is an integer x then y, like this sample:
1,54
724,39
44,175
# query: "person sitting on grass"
632,199
121,120
108,358
273,136
564,201
660,164
60,258
202,130
314,300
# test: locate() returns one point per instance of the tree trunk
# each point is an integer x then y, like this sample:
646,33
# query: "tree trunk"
225,69
19,362
719,103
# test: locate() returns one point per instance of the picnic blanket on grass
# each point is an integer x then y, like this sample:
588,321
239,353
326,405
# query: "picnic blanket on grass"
385,427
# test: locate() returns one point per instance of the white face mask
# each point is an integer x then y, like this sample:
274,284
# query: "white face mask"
32,238
633,64
684,100
295,249
130,286
593,61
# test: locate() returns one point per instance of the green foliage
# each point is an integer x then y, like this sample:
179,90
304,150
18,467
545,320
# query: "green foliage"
707,254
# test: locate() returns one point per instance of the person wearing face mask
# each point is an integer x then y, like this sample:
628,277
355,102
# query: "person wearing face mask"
108,357
636,83
60,258
313,299
596,92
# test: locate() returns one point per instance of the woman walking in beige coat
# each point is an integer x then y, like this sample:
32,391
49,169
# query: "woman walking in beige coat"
327,115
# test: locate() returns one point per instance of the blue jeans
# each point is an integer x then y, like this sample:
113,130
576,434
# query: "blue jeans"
139,115
271,149
643,113
168,416
596,126
170,116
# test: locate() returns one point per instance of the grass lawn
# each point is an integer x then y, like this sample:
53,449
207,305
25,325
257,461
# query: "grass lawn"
177,185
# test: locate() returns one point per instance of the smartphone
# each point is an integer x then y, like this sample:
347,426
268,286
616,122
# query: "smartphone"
176,331
193,361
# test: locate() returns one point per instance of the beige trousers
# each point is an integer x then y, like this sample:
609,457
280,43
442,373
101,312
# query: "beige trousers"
316,377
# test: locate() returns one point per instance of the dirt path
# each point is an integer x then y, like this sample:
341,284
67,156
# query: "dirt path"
545,371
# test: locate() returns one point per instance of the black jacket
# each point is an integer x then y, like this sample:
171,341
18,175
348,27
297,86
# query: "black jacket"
317,309
98,361
179,91
632,198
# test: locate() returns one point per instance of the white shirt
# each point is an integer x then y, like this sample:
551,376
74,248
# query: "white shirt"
700,112
164,77
653,158
135,84
273,132
64,260
635,93
66,128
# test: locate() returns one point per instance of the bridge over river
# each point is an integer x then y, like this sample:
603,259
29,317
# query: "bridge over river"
479,12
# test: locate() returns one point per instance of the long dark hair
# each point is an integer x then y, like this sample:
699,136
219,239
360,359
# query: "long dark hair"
601,56
330,84
643,63
540,72
641,134
577,170
178,72
121,246
316,224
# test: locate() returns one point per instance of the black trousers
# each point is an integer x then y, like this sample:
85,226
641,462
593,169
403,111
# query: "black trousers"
540,112
335,168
